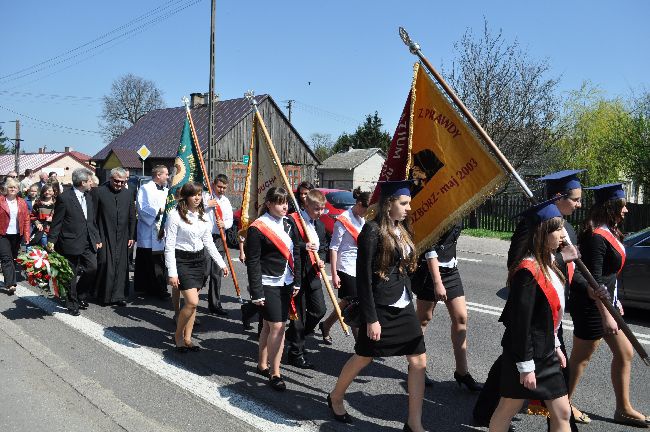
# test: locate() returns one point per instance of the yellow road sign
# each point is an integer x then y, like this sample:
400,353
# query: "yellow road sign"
143,152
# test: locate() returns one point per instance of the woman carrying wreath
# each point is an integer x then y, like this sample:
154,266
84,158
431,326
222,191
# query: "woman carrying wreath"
14,226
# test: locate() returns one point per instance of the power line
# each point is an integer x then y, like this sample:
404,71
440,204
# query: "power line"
319,112
49,123
125,35
51,96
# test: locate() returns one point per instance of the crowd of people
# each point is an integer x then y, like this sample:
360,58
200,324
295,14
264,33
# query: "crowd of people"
387,292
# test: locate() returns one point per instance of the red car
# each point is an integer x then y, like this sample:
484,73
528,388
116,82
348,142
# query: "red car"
338,201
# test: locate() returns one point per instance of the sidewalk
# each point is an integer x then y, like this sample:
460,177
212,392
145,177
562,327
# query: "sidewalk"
483,246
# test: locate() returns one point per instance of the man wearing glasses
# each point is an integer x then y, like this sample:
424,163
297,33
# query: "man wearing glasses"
116,221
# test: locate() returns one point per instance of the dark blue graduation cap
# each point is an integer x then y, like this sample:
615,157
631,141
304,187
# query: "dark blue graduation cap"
561,181
607,192
542,212
395,187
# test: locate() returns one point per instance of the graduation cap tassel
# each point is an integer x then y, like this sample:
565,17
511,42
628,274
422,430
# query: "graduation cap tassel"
414,48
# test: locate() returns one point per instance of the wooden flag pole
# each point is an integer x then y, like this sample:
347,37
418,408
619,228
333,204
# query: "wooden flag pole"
216,215
285,180
415,49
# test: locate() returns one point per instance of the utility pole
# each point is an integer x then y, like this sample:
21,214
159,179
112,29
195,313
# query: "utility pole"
211,149
17,147
289,105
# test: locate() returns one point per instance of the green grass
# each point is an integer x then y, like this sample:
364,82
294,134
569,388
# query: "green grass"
480,232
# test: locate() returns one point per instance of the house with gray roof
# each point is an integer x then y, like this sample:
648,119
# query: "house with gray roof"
351,169
160,131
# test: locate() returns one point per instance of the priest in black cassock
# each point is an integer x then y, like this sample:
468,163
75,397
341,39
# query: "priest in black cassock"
116,221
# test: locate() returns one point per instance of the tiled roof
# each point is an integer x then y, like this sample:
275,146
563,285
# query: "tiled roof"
128,158
35,161
350,159
159,130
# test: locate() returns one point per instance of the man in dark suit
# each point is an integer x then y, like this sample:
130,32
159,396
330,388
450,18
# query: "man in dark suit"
74,235
310,302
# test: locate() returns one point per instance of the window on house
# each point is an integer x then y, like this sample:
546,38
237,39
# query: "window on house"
293,175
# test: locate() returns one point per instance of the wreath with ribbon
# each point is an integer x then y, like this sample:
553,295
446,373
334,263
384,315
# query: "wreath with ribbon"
49,271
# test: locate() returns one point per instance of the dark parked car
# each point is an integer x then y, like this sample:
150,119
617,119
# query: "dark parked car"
635,279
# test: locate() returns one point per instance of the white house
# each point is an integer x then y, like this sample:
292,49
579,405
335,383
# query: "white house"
351,169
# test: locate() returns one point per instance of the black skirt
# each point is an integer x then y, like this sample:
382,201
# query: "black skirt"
276,302
548,375
191,269
587,322
401,334
348,285
423,287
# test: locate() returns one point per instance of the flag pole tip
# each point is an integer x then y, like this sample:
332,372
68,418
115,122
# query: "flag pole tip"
414,47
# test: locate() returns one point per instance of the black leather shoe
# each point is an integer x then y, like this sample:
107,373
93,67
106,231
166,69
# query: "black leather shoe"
121,303
83,304
74,312
219,311
300,363
469,382
343,418
277,383
163,295
428,382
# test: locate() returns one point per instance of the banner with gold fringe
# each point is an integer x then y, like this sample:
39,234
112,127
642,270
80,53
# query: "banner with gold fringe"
453,170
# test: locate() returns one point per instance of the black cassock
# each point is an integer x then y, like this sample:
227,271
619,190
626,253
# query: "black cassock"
116,221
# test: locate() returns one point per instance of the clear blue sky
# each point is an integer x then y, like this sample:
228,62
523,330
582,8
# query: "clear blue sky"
340,60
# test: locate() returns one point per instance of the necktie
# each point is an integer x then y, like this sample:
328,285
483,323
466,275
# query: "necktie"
82,201
160,187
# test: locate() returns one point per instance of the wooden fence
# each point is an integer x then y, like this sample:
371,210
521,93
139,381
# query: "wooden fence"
500,214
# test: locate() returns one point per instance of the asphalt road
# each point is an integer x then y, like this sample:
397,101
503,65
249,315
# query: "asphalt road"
114,368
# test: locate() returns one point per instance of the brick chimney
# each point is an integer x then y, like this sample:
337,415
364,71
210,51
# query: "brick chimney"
197,100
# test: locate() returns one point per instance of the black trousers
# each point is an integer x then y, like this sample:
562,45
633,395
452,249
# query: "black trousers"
214,276
489,397
310,305
84,269
149,276
9,245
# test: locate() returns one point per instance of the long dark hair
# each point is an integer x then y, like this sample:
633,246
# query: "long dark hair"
605,213
389,242
189,190
275,195
537,246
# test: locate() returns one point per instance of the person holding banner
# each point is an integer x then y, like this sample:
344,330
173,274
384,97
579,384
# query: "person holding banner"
437,279
274,271
187,236
532,359
604,255
219,202
385,257
343,257
310,302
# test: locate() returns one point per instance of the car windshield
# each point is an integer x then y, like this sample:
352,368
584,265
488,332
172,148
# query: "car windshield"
341,200
637,236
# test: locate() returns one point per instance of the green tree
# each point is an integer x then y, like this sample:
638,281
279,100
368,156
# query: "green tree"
368,135
638,141
321,144
3,142
596,135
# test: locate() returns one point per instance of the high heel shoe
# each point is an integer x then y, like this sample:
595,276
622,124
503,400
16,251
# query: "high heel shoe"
327,339
468,380
407,428
343,418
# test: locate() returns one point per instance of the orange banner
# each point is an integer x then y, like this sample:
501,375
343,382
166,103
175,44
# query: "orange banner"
453,170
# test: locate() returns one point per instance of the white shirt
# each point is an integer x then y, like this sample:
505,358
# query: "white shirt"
312,236
226,211
277,225
13,216
529,366
453,263
405,299
188,237
149,202
345,245
81,197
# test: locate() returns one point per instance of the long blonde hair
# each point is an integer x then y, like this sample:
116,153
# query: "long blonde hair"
389,241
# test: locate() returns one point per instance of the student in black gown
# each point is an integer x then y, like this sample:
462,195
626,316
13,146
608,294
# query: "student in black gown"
604,255
274,270
532,359
385,256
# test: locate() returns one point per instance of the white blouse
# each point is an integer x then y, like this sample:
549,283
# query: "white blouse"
344,244
13,216
188,237
277,226
405,298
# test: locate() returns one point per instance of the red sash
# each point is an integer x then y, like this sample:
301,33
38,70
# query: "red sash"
571,269
276,240
347,224
614,242
304,236
546,286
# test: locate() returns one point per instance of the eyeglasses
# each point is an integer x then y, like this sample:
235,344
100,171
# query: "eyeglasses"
118,181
